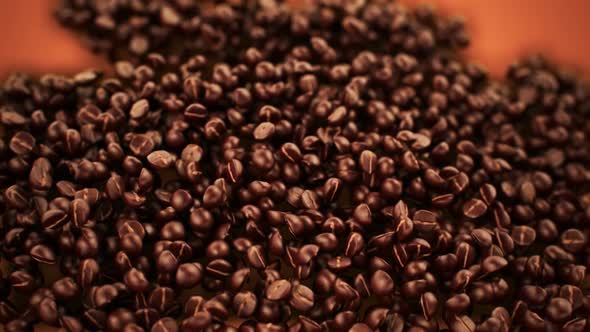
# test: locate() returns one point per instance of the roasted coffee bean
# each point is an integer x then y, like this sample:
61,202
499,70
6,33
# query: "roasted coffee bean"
22,281
523,235
462,323
305,254
141,145
474,208
181,200
360,327
54,218
79,212
197,322
95,318
135,280
458,303
22,142
278,290
65,289
132,327
161,299
302,298
88,272
558,310
256,257
219,268
244,304
429,303
165,324
118,319
189,275
40,176
48,311
103,295
362,214
70,324
381,283
161,159
43,254
16,197
573,240
423,220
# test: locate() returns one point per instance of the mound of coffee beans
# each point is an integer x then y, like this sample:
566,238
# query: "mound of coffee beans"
252,167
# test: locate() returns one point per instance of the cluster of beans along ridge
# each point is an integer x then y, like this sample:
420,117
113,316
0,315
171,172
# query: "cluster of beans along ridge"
331,170
131,30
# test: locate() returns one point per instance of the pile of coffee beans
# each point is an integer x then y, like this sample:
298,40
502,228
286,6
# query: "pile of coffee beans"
252,167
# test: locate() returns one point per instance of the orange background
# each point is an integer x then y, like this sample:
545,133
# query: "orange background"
502,31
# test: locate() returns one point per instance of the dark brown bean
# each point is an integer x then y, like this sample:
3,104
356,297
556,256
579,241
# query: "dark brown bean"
22,142
278,290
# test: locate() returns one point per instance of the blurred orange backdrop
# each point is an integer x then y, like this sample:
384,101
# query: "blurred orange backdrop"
502,31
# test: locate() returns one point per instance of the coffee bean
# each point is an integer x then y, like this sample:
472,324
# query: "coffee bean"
429,303
558,310
65,288
425,221
577,324
533,295
458,303
493,263
216,308
362,214
256,257
95,318
244,304
219,268
306,254
343,291
462,324
161,159
54,218
474,208
70,324
105,295
132,327
264,130
79,212
142,145
131,244
48,311
88,272
368,161
161,298
43,254
22,142
381,283
118,319
139,109
523,235
278,290
165,324
360,327
573,240
40,176
188,275
302,298
136,280
197,322
16,197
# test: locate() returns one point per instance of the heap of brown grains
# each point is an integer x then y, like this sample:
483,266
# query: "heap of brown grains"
334,169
